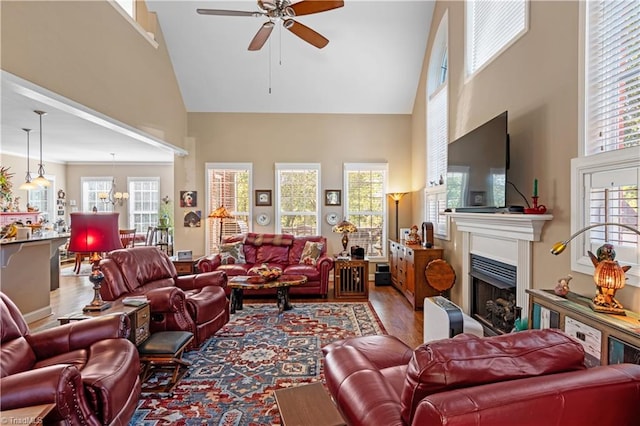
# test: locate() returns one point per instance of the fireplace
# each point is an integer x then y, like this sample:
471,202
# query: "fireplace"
506,240
493,294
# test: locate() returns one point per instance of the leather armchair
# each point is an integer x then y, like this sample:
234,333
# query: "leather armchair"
534,377
88,369
195,303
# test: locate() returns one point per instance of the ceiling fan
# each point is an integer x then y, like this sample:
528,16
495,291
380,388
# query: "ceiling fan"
285,11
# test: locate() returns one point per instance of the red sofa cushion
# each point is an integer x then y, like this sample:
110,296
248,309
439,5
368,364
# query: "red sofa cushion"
468,360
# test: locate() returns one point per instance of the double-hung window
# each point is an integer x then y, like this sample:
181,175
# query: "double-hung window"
491,26
435,195
365,186
91,188
228,185
144,202
41,198
297,198
605,177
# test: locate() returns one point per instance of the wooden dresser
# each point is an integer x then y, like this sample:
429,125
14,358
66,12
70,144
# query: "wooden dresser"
408,263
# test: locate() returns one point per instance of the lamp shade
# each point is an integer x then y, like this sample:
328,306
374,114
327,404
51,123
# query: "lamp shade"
609,274
396,196
220,213
345,227
94,232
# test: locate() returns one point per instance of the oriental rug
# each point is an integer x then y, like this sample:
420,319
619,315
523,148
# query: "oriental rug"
233,374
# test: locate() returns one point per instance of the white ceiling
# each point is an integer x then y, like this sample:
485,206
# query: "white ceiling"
370,66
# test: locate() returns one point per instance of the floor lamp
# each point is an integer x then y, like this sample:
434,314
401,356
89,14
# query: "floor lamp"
220,213
397,196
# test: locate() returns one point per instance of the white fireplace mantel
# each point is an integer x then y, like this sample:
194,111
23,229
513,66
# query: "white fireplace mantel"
504,237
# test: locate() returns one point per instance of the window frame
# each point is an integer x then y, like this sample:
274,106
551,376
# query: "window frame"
279,167
211,246
437,86
468,45
51,215
384,214
132,198
106,207
587,164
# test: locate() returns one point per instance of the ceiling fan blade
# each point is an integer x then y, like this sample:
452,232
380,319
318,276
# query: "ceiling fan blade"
219,12
261,36
306,33
307,7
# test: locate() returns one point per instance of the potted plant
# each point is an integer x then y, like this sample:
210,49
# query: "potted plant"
165,213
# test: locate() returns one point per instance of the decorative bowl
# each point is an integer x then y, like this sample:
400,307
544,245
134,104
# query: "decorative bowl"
270,274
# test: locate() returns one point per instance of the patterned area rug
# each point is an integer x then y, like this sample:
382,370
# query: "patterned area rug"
234,374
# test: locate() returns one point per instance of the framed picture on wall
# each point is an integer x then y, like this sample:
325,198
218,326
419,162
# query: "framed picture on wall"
263,197
188,198
332,197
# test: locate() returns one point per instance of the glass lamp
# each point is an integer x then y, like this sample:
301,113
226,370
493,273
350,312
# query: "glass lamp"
345,227
220,213
95,233
609,276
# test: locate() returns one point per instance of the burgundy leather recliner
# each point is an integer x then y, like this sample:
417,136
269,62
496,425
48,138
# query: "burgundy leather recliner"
534,377
195,303
88,369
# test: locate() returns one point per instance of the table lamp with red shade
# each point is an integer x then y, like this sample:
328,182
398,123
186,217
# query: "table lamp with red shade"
95,233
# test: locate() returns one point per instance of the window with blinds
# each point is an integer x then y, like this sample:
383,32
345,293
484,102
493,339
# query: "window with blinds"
228,185
491,27
366,206
144,203
91,187
607,174
437,132
297,198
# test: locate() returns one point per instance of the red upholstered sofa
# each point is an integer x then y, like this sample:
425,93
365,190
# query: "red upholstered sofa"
87,369
534,377
276,250
195,303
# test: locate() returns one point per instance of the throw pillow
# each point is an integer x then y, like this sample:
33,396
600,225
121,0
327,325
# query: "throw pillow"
311,253
232,253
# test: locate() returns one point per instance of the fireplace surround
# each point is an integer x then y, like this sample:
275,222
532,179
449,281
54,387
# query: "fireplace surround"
503,238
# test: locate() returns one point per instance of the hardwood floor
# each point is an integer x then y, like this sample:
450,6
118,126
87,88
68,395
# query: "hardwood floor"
395,312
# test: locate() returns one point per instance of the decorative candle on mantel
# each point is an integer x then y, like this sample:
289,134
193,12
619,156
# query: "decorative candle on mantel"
535,187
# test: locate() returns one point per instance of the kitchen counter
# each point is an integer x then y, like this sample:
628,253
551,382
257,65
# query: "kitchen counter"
29,269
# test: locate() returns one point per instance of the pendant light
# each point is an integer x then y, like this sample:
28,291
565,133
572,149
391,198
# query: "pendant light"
28,184
41,180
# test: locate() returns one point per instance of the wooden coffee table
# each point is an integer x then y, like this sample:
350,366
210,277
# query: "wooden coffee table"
239,283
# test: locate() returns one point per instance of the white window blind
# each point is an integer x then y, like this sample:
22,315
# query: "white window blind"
437,137
366,206
297,195
613,75
228,185
491,27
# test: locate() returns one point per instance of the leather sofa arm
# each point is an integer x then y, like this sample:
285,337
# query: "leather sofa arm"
199,281
78,335
59,384
209,263
324,265
166,299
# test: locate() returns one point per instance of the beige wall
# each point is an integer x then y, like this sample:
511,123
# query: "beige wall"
266,139
536,80
121,172
87,52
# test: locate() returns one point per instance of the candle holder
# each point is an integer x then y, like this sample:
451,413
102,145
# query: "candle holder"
536,209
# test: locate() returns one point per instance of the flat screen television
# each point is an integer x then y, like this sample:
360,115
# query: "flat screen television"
477,165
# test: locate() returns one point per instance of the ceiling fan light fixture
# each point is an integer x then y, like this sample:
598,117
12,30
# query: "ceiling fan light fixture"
288,11
268,5
288,23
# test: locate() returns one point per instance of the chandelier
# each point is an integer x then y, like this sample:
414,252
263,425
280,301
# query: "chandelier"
113,196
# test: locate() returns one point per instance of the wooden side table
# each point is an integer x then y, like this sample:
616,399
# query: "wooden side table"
32,415
351,278
185,266
139,316
307,405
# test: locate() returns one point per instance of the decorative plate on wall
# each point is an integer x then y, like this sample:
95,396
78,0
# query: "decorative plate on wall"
332,218
263,219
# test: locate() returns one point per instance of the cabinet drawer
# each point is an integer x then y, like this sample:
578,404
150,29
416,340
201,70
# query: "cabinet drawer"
141,331
589,337
184,268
